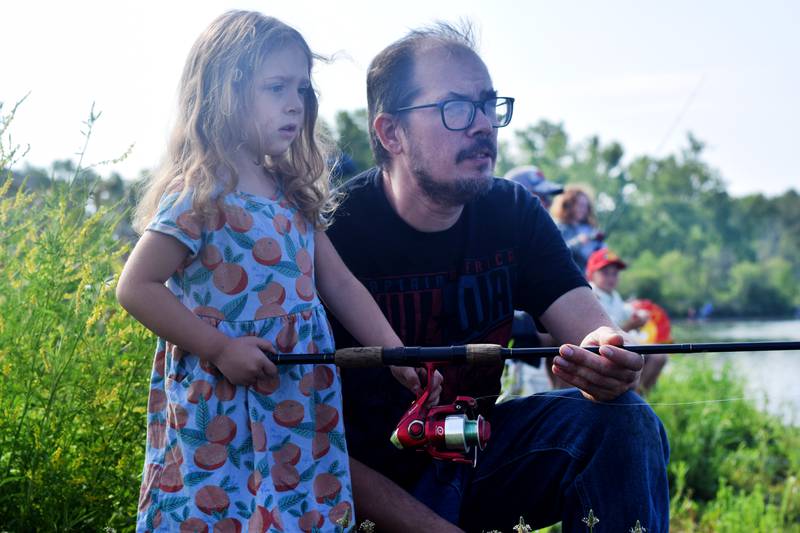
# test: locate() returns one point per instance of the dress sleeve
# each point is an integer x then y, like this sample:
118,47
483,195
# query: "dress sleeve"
174,217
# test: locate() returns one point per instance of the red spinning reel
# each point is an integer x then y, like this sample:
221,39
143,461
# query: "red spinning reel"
454,432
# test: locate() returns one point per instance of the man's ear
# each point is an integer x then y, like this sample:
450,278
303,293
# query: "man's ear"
389,132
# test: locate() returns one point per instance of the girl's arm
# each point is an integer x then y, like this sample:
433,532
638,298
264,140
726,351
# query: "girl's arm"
357,311
141,291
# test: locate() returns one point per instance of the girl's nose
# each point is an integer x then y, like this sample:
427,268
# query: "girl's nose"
295,104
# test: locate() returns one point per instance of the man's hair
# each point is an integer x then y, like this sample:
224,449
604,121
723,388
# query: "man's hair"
390,78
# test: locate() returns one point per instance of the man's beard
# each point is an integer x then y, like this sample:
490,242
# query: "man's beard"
461,190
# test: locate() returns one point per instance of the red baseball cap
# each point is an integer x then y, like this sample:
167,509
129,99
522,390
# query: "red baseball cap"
601,259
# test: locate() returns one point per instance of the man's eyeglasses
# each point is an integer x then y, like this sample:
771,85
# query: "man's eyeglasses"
459,114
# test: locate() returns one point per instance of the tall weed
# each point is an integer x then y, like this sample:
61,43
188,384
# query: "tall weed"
73,366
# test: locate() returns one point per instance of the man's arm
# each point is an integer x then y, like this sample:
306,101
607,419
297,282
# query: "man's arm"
380,500
577,317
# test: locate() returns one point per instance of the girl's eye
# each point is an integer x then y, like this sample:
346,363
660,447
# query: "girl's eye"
275,88
304,90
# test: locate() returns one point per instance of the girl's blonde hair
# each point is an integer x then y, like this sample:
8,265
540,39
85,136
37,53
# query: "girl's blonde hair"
564,203
215,96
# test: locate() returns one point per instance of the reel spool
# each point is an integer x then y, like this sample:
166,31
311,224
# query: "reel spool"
453,432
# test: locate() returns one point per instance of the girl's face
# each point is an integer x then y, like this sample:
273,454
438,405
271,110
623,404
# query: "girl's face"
279,92
580,209
606,278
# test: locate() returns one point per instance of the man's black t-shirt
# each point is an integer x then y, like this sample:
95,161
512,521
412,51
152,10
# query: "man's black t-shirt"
457,286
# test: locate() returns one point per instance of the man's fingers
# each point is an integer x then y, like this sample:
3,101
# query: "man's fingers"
588,388
574,375
613,362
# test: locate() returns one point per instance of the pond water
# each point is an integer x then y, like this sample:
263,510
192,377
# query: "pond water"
773,378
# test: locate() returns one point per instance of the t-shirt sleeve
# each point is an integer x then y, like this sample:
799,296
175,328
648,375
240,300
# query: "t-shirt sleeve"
546,268
174,217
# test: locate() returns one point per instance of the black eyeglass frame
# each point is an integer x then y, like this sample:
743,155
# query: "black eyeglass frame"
476,104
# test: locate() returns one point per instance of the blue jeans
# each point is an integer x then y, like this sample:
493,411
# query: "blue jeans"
557,456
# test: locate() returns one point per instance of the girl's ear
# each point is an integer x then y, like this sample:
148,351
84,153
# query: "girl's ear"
389,133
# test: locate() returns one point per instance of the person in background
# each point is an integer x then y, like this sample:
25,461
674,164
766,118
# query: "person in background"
534,181
574,216
524,332
602,271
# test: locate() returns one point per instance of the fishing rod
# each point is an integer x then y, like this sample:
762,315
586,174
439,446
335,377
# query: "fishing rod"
456,431
483,354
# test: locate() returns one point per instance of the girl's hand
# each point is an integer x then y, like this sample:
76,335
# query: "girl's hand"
243,361
412,379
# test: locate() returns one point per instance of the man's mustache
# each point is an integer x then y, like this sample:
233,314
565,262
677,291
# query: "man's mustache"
481,145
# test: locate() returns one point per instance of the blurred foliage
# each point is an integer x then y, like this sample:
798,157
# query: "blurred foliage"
732,468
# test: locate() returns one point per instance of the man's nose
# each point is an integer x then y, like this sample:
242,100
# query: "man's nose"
481,124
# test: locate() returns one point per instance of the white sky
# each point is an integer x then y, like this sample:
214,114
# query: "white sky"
639,72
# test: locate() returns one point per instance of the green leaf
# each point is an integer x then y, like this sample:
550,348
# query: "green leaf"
253,206
263,466
234,308
337,439
266,327
234,456
288,502
328,397
308,473
201,415
170,504
333,467
151,515
197,299
201,276
193,437
306,430
299,308
287,269
303,333
246,446
194,478
289,246
265,401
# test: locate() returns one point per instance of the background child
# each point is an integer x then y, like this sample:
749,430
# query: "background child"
574,216
235,220
602,271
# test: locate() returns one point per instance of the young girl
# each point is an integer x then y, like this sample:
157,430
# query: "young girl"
575,219
235,220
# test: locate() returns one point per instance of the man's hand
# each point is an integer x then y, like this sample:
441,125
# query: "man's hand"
413,379
599,377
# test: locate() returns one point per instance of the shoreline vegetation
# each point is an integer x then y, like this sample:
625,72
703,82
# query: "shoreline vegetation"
74,367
